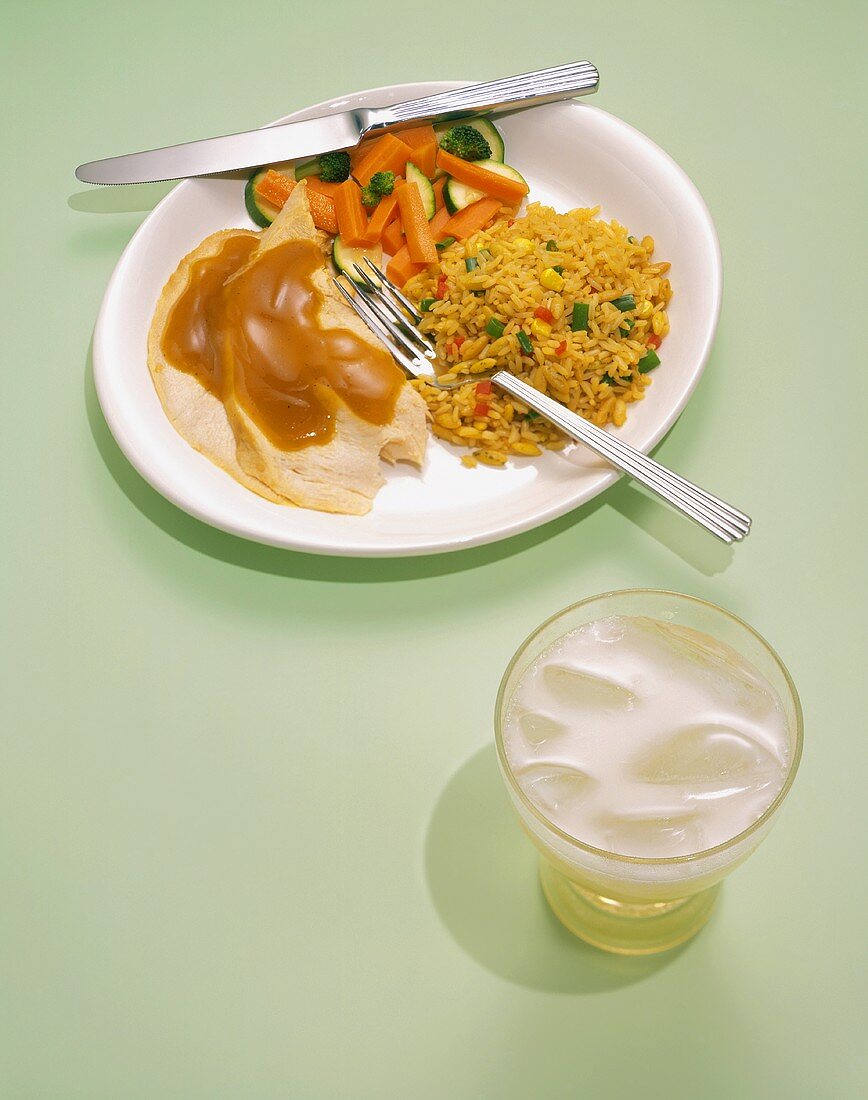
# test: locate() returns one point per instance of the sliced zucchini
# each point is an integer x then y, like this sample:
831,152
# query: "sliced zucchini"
488,130
344,256
458,195
263,213
417,176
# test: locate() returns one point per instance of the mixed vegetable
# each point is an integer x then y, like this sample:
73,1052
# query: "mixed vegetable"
410,194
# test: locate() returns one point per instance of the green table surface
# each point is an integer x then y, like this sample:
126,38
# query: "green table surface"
253,842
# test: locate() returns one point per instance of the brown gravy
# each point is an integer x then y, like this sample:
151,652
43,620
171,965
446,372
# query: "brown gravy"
257,339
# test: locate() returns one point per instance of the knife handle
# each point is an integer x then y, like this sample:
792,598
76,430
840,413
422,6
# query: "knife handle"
528,89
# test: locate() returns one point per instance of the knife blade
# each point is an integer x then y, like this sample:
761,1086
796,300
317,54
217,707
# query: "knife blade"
343,130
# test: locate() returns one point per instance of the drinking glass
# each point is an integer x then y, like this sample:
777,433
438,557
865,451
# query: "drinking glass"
635,905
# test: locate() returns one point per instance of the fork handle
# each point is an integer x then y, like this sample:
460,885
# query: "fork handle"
541,86
721,519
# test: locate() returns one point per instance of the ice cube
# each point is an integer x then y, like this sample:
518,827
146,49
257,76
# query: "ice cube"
706,753
651,833
722,671
537,728
553,787
576,687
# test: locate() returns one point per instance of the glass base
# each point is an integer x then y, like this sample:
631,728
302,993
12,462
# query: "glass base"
624,927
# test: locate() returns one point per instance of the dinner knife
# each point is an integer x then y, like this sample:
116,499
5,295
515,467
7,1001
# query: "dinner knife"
342,130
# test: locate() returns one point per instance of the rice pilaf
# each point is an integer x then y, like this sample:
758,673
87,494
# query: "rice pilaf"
506,297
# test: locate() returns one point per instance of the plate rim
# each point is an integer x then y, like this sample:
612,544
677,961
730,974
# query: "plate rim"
392,547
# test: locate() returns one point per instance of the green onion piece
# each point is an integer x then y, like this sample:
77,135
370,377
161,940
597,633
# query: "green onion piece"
625,328
558,268
531,414
625,303
471,262
495,328
445,243
524,342
485,254
426,304
608,378
579,322
632,240
551,246
649,361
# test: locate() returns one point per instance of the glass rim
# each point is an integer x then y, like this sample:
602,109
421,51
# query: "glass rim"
650,860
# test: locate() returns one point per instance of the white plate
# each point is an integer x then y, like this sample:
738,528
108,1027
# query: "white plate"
572,155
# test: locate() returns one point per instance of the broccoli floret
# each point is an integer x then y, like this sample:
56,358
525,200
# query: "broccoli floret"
381,183
465,142
334,167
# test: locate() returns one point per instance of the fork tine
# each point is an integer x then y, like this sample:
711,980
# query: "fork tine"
362,308
422,342
397,332
390,288
387,331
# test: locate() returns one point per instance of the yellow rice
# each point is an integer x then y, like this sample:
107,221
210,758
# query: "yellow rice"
600,262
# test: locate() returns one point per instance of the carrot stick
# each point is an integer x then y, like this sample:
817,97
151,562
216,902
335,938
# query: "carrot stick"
401,268
471,218
322,210
314,183
360,152
392,237
420,242
438,185
417,135
381,217
465,171
425,158
404,268
352,220
275,188
438,224
388,154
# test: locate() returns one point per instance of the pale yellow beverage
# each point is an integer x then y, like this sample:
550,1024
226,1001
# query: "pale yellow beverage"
647,740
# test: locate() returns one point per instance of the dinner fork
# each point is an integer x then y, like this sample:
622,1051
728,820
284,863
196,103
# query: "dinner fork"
391,316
